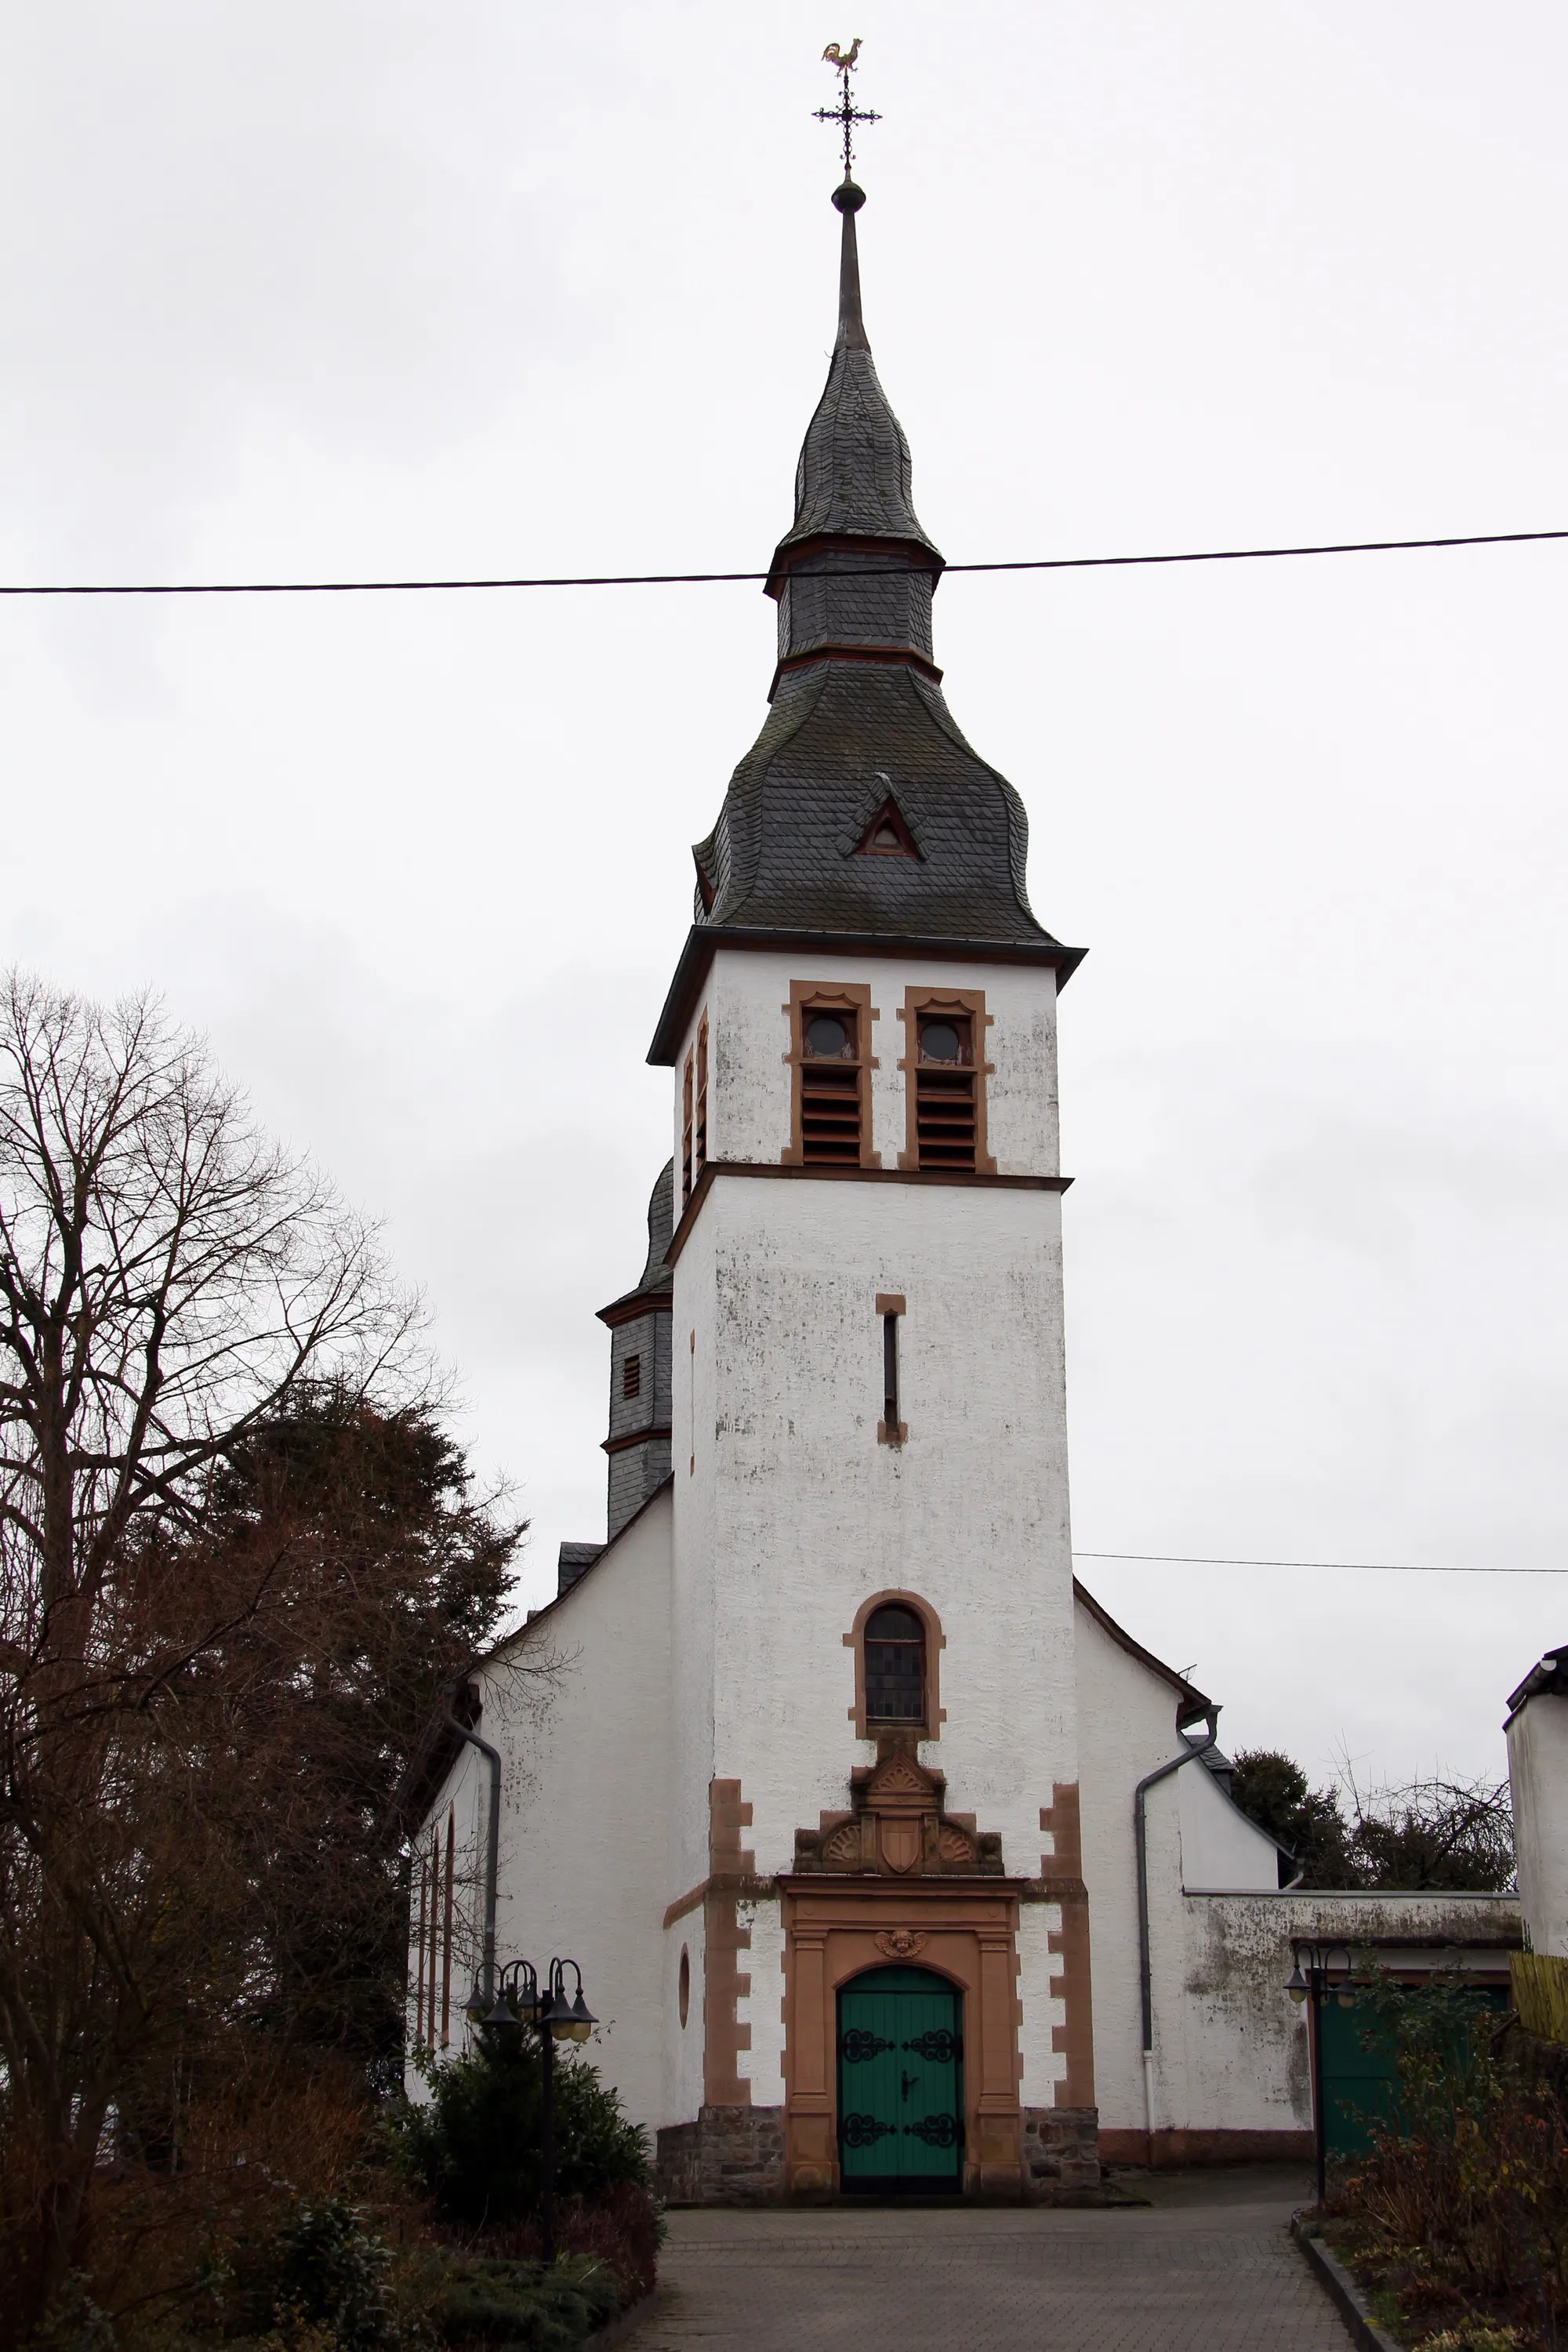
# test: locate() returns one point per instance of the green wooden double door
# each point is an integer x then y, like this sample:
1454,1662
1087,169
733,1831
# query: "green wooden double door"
901,2082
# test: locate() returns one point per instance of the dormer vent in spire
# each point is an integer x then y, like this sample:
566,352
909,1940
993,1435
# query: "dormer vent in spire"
888,835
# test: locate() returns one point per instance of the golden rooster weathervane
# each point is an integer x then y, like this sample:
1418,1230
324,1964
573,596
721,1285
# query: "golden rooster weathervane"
847,114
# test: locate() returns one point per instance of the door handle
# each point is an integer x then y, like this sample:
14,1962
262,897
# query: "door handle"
908,2084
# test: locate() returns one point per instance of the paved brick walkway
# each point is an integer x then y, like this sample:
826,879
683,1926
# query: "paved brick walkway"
1189,2276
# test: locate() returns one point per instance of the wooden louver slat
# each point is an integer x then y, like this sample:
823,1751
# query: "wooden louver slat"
830,1112
944,1117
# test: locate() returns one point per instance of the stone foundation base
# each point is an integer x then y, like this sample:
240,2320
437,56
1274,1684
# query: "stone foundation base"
1062,2155
735,2155
729,2155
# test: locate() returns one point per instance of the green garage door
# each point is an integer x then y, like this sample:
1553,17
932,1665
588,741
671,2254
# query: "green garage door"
901,2082
1360,2078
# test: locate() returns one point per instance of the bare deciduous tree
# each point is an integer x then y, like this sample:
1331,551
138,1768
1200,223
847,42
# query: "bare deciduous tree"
170,1281
168,1273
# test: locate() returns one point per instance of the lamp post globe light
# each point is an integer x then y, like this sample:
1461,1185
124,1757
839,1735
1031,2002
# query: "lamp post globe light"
1312,1979
555,2015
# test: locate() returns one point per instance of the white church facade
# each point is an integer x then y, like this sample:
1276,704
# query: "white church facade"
890,1862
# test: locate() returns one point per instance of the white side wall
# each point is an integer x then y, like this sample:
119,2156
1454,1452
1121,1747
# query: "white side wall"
1126,1725
1538,1775
1221,1849
682,2094
579,1707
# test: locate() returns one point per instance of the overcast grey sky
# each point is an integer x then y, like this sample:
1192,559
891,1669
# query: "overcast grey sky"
388,287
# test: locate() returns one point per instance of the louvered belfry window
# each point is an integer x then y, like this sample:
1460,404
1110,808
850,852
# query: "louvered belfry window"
830,1070
945,1091
895,1666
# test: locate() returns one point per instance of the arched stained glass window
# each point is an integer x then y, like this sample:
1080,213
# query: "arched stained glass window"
895,1666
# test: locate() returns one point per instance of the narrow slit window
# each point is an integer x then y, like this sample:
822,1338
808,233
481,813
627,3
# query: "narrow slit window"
424,1900
830,1087
945,1126
631,1377
895,1666
891,1373
446,1925
435,1934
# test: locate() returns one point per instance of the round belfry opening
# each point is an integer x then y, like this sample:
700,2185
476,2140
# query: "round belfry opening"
940,1041
825,1036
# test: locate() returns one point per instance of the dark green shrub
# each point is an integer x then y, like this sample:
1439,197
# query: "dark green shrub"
485,2301
475,2147
1459,2211
324,2271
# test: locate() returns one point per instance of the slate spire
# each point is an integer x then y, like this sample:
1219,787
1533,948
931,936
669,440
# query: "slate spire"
860,812
853,509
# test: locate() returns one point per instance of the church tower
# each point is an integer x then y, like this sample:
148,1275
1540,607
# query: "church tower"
873,1775
818,1766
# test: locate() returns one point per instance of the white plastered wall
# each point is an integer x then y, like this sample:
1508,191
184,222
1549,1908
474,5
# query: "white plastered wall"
789,1513
763,2008
578,1705
683,2044
750,1081
1220,1847
1126,1727
1538,1775
796,1514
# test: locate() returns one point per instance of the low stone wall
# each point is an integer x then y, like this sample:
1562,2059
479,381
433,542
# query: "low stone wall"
729,2155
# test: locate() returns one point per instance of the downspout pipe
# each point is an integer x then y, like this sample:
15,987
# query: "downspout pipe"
1191,1750
492,1839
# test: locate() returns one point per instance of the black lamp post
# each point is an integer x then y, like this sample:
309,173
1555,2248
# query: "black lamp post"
555,2015
1313,1986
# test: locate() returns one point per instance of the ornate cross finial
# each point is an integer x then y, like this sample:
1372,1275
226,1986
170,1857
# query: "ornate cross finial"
847,114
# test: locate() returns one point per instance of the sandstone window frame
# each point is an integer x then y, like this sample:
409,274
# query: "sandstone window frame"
959,1003
935,1714
686,1105
846,999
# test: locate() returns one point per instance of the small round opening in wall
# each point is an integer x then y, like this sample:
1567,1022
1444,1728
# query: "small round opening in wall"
939,1041
683,1992
825,1036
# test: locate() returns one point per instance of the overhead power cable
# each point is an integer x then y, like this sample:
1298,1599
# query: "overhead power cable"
1371,1567
702,579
